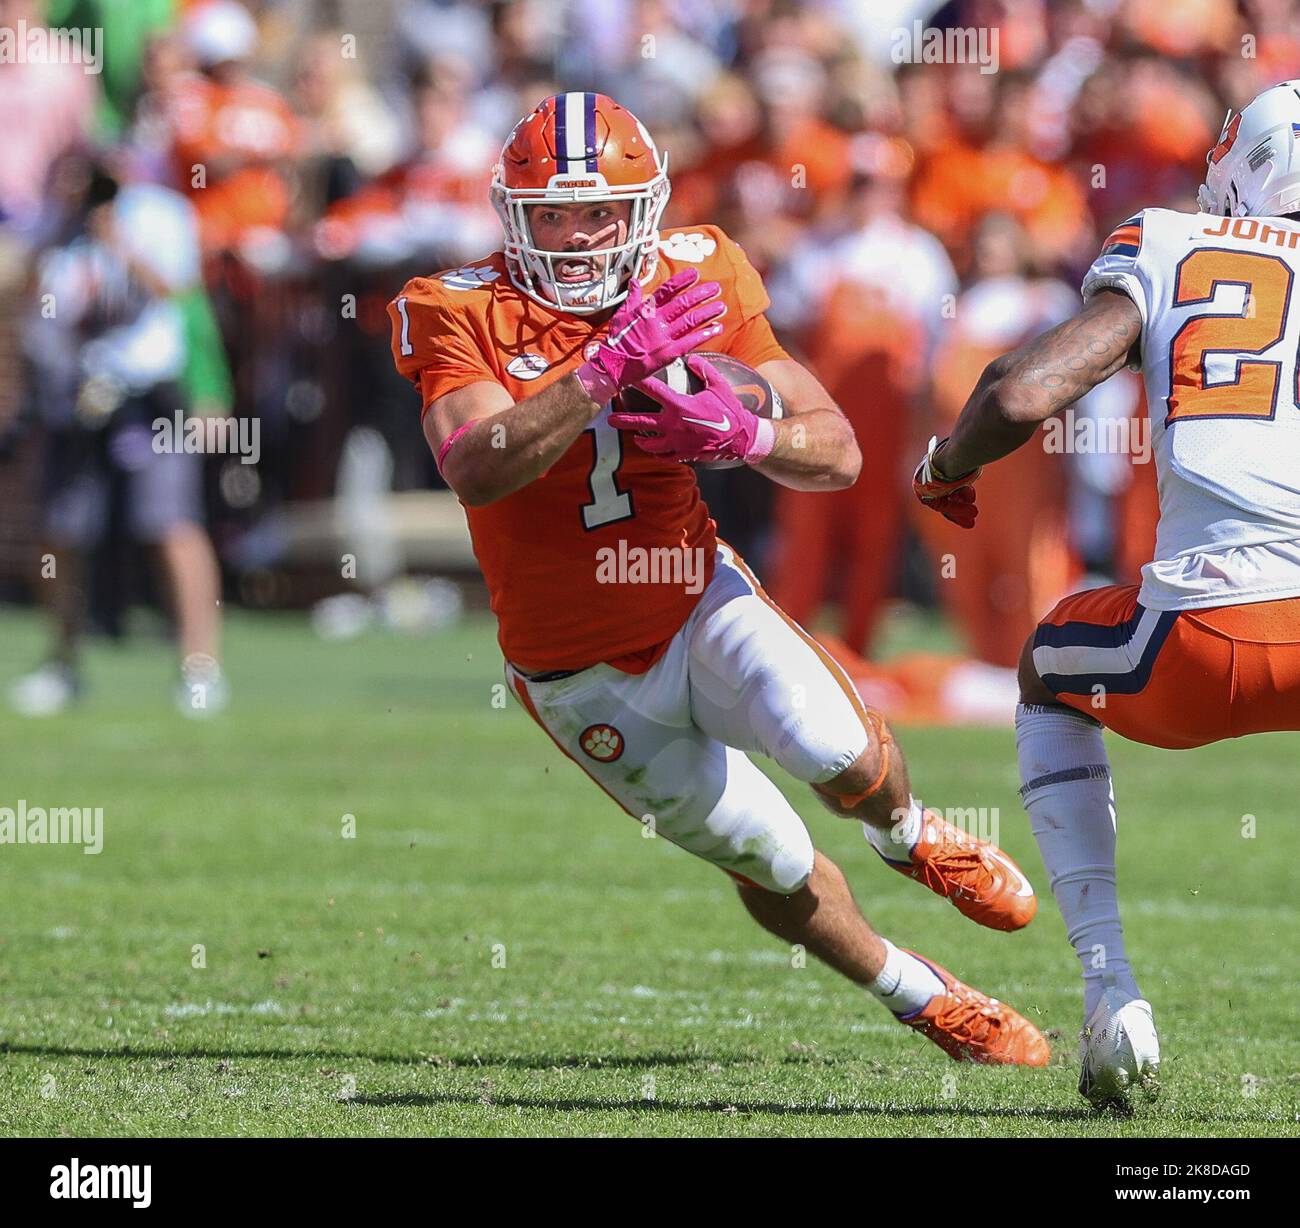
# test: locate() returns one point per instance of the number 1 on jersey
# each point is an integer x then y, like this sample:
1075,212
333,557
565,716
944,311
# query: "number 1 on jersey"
407,347
608,502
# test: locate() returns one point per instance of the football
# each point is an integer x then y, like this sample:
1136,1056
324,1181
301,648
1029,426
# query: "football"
751,389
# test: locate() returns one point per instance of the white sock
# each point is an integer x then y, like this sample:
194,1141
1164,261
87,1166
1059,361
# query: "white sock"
905,984
896,842
1066,788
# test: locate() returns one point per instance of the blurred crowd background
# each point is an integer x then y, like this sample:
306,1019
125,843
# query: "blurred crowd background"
222,213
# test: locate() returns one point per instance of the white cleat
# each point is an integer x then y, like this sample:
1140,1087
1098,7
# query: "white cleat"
1120,1050
46,691
202,691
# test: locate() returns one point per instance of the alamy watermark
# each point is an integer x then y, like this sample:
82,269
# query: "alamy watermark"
24,44
124,1182
973,822
682,566
1082,435
26,824
211,435
922,44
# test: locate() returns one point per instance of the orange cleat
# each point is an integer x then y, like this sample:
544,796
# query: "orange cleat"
970,1027
982,882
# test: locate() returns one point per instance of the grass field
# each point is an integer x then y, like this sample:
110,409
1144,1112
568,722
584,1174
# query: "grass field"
351,984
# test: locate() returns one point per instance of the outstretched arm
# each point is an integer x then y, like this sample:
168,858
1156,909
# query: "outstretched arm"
1030,384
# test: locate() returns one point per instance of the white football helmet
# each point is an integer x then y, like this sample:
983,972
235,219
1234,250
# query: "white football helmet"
1254,169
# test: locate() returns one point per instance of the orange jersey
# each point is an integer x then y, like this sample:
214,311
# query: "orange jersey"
559,554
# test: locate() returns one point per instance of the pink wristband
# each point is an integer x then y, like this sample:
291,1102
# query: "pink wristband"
764,442
446,444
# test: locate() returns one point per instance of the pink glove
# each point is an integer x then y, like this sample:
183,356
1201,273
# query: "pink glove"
709,425
646,334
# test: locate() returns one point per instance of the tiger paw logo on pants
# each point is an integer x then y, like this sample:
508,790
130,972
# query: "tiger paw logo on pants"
603,743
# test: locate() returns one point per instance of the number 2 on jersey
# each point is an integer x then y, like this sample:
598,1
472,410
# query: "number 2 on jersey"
1253,393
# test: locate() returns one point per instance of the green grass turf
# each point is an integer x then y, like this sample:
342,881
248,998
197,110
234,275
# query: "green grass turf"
350,985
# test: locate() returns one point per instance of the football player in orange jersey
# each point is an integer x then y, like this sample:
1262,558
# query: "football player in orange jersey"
641,644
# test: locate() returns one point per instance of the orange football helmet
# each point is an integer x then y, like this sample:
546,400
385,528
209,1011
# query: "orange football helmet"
580,147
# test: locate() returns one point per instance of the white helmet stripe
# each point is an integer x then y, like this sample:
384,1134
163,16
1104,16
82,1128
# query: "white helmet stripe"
575,129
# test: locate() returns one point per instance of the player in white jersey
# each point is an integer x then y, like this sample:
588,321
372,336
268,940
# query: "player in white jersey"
1208,647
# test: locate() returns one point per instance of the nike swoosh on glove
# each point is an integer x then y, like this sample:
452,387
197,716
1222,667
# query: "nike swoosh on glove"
952,498
709,425
648,333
